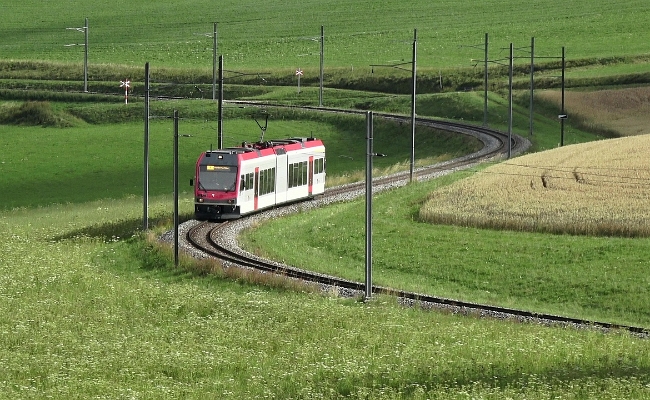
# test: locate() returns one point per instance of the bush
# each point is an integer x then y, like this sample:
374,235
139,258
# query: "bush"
35,113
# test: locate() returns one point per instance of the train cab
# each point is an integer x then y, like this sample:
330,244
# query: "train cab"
216,185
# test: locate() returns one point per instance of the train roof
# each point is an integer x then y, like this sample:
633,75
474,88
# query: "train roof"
274,145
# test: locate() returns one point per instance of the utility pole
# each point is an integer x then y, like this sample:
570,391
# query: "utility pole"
485,79
322,64
485,75
145,196
563,112
176,220
414,72
214,63
532,81
86,55
369,155
220,107
510,101
212,35
83,29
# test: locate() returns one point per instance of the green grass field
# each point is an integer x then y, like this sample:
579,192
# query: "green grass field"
92,162
252,34
96,313
92,307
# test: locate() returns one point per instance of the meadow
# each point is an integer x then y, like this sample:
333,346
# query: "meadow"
99,314
91,306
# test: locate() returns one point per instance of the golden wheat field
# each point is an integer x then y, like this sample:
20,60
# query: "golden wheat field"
598,188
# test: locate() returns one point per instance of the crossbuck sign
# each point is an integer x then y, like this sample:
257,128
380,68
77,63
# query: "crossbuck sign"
298,74
126,85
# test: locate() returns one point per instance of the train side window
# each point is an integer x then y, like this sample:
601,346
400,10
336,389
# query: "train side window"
246,182
298,174
267,181
319,165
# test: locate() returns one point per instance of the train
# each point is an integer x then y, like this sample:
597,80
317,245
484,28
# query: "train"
233,182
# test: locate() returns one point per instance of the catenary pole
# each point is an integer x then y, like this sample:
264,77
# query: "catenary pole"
369,155
176,188
563,112
485,79
322,64
86,55
145,195
414,74
220,107
214,63
83,29
510,101
532,82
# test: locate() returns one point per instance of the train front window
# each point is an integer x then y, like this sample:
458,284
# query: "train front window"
217,177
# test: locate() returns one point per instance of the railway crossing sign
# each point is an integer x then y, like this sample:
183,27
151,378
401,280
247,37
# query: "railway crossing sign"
299,73
126,85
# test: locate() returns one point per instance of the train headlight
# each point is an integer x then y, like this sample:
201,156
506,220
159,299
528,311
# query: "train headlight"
200,200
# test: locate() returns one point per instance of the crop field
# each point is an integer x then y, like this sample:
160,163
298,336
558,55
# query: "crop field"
575,189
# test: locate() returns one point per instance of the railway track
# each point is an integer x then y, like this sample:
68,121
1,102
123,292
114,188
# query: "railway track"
219,239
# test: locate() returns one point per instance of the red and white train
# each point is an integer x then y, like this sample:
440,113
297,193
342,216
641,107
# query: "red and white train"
237,181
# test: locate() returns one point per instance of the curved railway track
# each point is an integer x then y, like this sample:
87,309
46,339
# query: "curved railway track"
208,237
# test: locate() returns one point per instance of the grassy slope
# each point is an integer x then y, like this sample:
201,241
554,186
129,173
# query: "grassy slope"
90,162
357,34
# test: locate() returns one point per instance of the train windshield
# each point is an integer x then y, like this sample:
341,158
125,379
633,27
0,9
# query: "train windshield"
217,177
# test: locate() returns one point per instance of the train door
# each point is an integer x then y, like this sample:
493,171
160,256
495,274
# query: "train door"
281,180
310,175
256,188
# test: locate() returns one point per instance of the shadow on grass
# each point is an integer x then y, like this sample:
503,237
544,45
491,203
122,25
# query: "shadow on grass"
502,376
120,229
